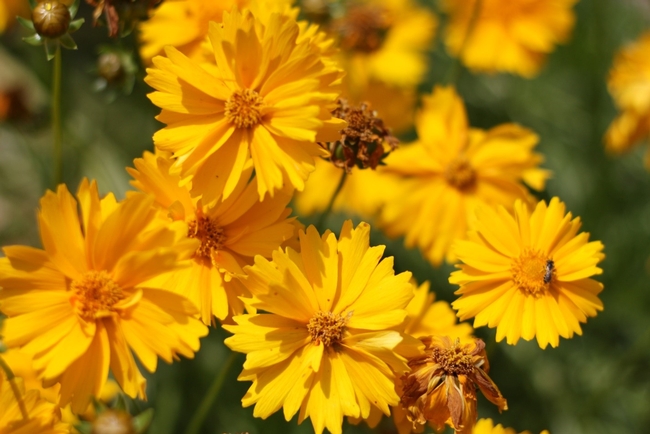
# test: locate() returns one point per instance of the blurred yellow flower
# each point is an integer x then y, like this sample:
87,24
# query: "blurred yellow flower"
528,274
27,413
363,192
184,24
507,35
441,387
268,99
384,40
486,426
326,345
427,317
80,306
450,170
231,232
629,84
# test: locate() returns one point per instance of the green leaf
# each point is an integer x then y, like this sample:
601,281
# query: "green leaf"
74,25
142,421
33,3
51,45
34,40
67,42
28,24
120,403
84,427
73,8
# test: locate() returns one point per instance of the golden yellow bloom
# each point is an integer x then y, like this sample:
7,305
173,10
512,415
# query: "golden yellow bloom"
507,35
385,41
82,306
441,387
231,232
37,415
629,84
452,169
326,344
486,426
528,274
184,24
268,99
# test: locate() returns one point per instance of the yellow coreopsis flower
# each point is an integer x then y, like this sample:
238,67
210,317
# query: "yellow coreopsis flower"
184,24
453,168
441,387
384,40
629,84
231,232
267,99
528,273
8,11
25,412
507,35
82,306
486,426
326,344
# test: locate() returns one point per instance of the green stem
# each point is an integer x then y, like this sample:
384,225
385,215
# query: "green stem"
208,400
14,387
56,117
328,209
454,71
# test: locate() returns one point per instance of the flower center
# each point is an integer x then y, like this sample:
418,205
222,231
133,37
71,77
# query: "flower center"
95,295
363,28
460,174
211,235
243,108
327,328
455,360
533,272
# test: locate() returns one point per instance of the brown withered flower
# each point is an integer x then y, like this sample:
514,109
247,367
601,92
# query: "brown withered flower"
121,16
364,143
441,387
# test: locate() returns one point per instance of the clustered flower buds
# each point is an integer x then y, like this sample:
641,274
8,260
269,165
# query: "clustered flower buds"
364,143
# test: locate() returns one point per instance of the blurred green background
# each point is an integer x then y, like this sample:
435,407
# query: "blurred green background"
597,383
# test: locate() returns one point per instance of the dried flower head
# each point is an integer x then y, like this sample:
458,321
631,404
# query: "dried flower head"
441,387
121,16
364,143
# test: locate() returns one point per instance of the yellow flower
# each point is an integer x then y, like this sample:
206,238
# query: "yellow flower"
528,274
268,99
486,426
427,317
441,387
326,344
507,35
629,84
450,170
37,416
81,307
184,24
384,40
231,232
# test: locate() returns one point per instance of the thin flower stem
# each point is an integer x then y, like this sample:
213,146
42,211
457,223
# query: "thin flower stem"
454,71
208,400
328,209
14,387
56,117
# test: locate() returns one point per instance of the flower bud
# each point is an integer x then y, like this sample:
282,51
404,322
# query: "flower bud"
110,68
113,422
51,19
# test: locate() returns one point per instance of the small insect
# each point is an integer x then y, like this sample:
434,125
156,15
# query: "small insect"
549,270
